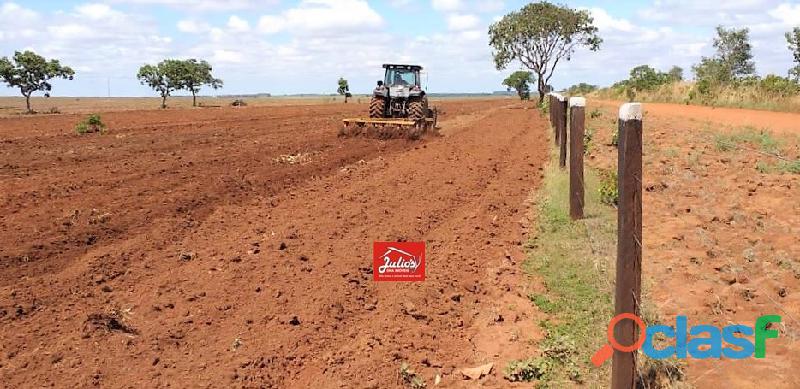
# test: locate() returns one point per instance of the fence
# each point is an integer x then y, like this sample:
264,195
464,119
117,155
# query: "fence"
627,294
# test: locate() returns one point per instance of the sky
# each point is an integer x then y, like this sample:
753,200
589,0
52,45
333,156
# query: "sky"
304,46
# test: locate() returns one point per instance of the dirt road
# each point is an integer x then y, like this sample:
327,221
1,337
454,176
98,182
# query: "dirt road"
223,247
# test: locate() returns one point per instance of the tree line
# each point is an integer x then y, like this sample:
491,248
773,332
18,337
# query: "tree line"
731,66
541,35
30,72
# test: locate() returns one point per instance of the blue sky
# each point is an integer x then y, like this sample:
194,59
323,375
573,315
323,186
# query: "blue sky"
284,47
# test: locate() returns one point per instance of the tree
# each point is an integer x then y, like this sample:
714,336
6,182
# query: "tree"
581,89
164,78
733,61
735,53
793,38
675,74
195,74
539,36
520,81
644,77
344,89
31,72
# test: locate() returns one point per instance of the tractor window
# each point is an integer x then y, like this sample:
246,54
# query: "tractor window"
401,77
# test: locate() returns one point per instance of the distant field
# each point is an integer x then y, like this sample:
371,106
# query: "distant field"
16,105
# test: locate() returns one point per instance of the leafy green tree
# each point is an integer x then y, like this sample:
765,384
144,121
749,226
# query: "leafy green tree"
675,74
793,38
165,77
344,88
539,36
31,72
195,74
581,89
644,77
732,62
735,52
710,72
520,81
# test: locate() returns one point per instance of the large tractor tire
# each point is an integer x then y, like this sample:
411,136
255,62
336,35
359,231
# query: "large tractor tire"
377,107
417,109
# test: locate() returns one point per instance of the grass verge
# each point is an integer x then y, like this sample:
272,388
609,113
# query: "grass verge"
575,260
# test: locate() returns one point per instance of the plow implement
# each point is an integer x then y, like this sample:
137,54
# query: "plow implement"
390,128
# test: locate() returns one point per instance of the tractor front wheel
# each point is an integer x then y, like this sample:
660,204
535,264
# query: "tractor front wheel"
377,107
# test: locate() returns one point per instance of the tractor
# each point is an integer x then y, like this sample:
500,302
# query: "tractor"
398,108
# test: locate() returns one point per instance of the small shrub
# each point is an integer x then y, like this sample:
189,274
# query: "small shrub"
410,378
91,124
587,141
779,86
790,167
609,193
238,103
525,370
763,167
544,107
724,143
615,136
596,113
54,110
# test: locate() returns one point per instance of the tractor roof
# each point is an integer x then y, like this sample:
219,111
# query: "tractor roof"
399,66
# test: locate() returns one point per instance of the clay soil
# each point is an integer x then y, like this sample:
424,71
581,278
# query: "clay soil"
721,238
226,247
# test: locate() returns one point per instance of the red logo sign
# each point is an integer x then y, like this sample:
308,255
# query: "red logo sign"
398,261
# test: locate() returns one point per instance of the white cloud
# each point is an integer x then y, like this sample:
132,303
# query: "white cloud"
204,5
787,13
323,16
238,24
459,22
603,21
227,56
447,5
192,26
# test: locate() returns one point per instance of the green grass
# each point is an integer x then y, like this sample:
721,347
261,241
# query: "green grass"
575,260
762,139
791,167
572,258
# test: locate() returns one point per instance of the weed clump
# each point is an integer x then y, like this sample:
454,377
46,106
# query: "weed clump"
91,124
410,378
525,370
588,136
609,193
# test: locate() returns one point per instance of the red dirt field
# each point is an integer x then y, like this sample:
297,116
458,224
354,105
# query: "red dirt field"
720,237
232,248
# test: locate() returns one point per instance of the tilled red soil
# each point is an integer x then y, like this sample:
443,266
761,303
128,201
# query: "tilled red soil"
232,248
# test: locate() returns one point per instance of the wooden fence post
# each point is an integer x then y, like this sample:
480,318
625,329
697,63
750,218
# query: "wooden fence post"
562,134
629,246
577,119
554,116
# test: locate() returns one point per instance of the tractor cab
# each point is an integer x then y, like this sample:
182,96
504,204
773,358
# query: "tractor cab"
400,82
402,75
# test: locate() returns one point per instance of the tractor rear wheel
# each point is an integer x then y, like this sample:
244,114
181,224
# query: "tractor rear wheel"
416,109
377,107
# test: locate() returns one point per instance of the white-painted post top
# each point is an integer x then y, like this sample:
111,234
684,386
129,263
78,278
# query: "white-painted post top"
630,111
577,102
559,97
